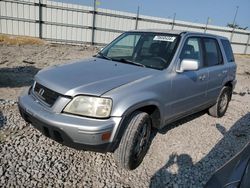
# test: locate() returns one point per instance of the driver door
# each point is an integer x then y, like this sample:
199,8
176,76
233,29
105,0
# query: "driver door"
189,87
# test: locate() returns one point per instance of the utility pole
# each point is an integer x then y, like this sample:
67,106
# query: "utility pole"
93,23
137,17
208,20
234,24
173,21
236,12
248,40
40,20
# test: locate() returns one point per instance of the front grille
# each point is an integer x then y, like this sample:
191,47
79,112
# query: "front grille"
45,94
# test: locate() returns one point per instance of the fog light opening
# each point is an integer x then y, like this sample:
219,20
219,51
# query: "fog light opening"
106,136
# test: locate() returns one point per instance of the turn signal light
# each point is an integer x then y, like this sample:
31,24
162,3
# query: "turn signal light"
106,136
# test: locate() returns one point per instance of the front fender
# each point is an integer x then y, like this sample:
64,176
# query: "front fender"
126,105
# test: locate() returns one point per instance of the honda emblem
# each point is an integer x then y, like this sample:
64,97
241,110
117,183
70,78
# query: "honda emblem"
41,91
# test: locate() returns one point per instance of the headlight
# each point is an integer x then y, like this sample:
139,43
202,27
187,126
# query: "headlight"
90,106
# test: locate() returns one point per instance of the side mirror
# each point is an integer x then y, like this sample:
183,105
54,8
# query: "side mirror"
188,65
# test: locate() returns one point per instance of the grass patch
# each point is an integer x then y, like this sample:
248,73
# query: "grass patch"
19,40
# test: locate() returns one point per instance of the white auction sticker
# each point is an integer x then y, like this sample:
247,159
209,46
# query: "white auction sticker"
164,38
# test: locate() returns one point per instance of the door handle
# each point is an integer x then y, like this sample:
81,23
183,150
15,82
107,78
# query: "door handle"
224,72
202,77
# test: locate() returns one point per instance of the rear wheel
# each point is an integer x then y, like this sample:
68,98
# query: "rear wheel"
220,107
135,141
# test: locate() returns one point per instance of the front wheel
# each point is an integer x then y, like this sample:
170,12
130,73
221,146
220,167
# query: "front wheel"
135,141
220,107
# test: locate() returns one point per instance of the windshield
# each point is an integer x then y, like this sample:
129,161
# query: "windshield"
152,50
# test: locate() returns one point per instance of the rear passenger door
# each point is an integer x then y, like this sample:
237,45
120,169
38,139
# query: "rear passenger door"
217,72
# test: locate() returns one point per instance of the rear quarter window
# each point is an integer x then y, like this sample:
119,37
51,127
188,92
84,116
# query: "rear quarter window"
228,50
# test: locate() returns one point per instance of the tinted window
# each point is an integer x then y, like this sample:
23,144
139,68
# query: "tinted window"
212,52
192,49
228,50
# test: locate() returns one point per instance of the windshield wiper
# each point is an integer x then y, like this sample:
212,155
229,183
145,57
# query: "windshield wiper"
100,54
122,60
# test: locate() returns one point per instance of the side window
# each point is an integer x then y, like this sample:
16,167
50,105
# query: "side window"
212,52
228,50
192,49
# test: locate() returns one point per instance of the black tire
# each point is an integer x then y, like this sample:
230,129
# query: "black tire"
135,141
220,107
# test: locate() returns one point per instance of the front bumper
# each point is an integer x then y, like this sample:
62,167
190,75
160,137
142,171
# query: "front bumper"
73,131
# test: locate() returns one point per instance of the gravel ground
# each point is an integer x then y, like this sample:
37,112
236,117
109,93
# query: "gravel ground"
183,155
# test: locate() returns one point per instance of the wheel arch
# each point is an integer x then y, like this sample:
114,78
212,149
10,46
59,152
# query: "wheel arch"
152,109
231,86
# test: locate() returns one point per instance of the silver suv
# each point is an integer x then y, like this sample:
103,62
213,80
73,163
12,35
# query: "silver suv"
139,83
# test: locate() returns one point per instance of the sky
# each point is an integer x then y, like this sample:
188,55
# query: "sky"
220,12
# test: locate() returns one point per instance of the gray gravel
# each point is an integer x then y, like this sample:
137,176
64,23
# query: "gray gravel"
184,155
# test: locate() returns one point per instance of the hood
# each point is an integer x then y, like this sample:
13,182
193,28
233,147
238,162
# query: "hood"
94,76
